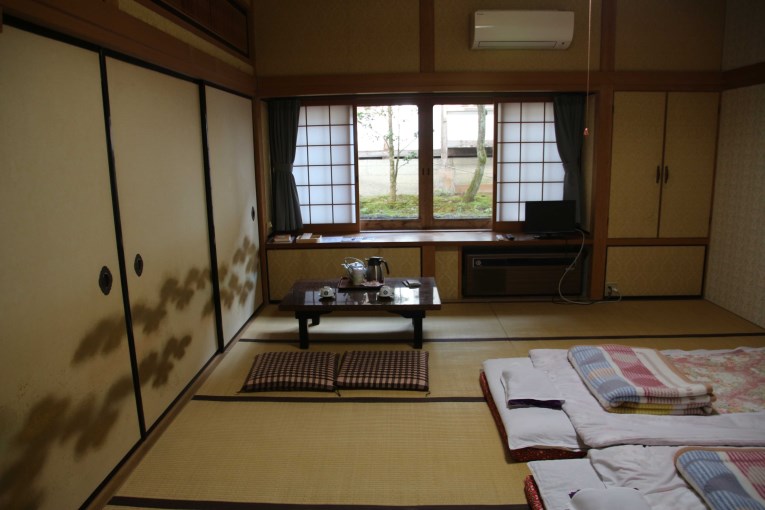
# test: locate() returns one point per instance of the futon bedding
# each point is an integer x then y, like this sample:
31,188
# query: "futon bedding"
583,423
726,478
528,433
598,428
634,380
649,470
668,478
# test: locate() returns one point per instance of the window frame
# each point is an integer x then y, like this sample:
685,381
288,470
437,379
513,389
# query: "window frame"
425,104
515,225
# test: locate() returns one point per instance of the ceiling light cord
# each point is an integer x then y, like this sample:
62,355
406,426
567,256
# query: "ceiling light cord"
587,89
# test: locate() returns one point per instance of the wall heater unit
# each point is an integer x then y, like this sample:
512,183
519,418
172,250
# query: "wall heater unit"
520,274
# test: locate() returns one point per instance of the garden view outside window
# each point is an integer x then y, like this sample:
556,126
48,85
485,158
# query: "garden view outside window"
357,166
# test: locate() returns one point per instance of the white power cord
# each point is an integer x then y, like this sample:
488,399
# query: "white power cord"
571,267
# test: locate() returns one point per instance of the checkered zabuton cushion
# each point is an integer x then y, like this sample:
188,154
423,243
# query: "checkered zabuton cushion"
392,370
287,371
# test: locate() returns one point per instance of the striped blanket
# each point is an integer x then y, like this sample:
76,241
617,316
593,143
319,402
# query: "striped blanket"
726,478
634,380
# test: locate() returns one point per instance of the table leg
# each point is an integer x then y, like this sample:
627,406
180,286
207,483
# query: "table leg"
417,323
303,330
303,325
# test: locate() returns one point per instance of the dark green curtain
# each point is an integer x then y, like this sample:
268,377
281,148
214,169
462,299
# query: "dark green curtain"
569,133
283,128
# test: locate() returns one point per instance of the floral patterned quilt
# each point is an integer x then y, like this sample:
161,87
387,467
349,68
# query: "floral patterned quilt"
738,377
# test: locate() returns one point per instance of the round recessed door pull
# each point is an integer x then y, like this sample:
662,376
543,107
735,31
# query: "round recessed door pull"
252,213
138,264
105,280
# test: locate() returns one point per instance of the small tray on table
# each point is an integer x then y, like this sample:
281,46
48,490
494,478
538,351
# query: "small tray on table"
346,284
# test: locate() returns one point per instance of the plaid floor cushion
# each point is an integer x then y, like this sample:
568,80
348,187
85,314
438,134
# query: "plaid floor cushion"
288,371
393,370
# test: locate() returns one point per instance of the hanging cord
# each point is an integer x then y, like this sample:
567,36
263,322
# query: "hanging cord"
587,89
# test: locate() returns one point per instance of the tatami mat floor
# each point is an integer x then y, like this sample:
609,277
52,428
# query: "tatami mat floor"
224,449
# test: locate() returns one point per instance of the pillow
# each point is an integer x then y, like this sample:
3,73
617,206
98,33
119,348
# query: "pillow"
289,371
390,370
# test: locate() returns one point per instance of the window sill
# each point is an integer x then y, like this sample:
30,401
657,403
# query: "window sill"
424,238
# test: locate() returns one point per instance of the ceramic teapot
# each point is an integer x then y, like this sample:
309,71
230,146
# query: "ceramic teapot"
374,269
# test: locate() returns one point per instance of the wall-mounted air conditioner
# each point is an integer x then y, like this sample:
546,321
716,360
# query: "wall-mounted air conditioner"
552,30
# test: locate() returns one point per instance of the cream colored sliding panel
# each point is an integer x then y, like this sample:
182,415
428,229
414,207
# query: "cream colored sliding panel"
67,408
232,171
156,133
637,146
689,160
448,273
656,270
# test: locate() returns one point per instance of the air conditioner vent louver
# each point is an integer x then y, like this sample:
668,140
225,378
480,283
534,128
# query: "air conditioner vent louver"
536,30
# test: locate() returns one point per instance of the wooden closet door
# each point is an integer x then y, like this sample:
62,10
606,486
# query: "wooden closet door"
68,412
638,138
232,174
157,139
689,163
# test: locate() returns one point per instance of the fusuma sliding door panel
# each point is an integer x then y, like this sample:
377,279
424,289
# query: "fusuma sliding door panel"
68,412
637,148
157,139
663,161
232,172
686,199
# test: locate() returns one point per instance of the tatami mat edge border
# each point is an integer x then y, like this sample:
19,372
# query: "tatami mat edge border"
339,400
177,504
517,338
371,340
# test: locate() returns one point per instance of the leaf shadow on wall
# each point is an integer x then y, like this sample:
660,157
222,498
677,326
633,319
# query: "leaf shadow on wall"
244,262
86,421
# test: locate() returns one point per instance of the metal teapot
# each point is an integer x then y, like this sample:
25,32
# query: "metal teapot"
374,269
356,269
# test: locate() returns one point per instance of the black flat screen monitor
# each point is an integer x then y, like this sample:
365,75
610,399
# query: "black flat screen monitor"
550,218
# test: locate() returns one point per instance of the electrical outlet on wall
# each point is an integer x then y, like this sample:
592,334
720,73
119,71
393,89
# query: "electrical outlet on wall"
612,290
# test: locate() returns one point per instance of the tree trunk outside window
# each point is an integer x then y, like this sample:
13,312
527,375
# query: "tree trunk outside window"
480,150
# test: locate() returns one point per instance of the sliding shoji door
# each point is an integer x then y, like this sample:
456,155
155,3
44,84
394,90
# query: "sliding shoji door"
158,156
67,407
234,200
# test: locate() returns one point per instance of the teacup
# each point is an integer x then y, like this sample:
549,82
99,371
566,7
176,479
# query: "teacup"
385,292
326,292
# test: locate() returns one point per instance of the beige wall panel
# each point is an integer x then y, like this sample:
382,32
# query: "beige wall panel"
448,273
656,270
453,19
637,146
736,266
156,133
67,407
674,35
232,172
286,266
744,44
689,158
296,37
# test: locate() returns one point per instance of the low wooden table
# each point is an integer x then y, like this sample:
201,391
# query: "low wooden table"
411,303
